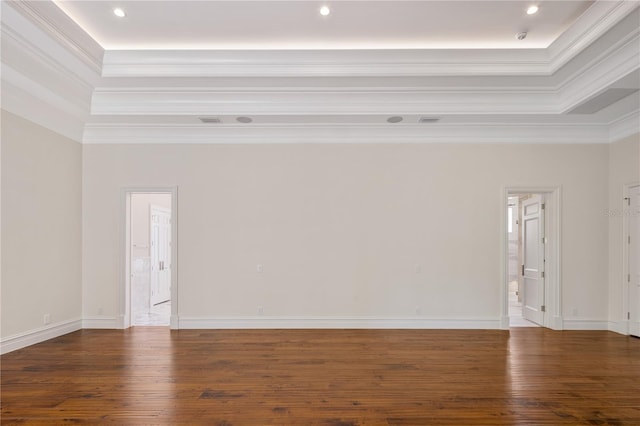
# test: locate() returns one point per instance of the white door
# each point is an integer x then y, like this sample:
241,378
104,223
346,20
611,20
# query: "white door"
160,255
634,261
533,259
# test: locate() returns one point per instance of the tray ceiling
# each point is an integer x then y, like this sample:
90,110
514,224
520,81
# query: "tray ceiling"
299,25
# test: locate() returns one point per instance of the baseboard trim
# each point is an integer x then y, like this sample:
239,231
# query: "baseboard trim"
333,322
557,323
101,322
621,327
586,325
31,337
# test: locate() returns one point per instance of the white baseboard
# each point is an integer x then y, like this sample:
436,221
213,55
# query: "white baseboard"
621,327
557,323
333,322
31,337
101,322
582,324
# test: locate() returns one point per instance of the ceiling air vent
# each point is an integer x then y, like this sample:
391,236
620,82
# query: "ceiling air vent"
429,119
210,120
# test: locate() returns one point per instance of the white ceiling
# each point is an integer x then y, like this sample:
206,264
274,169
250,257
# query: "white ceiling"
297,24
302,77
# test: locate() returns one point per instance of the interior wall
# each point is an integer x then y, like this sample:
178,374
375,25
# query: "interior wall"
624,169
346,231
41,226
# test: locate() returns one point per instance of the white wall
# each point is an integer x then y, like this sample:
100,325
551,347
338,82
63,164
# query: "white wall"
624,169
41,228
340,228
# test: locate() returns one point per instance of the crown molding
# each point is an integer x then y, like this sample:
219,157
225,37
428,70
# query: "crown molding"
625,126
590,26
62,29
619,60
434,133
290,101
323,63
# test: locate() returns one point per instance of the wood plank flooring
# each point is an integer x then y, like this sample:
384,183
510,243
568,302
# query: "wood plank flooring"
150,375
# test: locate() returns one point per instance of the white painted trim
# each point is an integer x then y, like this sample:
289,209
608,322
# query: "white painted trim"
590,26
553,231
39,44
585,324
616,62
624,126
101,322
31,337
579,133
125,282
263,322
325,101
24,104
61,28
324,63
620,327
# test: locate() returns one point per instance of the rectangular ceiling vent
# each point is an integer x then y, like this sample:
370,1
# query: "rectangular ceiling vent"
429,119
210,120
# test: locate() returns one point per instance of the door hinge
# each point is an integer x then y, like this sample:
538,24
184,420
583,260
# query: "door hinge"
542,206
542,274
628,278
628,239
628,200
543,308
628,315
523,270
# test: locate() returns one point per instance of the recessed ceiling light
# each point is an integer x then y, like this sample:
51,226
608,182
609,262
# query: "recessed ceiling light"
119,12
532,10
244,120
324,11
394,119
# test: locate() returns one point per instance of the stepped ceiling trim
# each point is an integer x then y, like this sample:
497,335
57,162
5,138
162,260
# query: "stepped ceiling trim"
126,106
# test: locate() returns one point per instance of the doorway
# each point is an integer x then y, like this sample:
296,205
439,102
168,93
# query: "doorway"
531,284
632,243
149,296
524,224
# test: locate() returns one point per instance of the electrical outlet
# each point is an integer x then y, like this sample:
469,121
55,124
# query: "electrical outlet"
260,310
418,268
574,312
46,319
100,310
259,268
418,310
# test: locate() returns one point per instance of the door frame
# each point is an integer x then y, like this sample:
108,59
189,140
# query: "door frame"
626,289
124,297
553,267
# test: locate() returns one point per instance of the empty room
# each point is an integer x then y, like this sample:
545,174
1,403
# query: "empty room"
335,213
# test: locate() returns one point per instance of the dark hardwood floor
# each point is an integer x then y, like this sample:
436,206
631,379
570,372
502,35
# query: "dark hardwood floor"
150,375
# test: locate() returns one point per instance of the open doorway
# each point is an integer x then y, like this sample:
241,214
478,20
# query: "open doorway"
150,259
149,288
631,256
531,283
522,306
